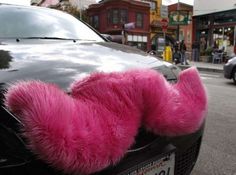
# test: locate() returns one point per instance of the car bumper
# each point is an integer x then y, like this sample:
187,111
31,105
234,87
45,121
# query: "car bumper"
228,71
186,150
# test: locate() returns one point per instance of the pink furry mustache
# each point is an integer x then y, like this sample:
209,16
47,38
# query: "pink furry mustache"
93,127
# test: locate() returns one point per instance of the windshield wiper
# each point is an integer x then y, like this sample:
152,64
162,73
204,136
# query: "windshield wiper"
53,38
46,38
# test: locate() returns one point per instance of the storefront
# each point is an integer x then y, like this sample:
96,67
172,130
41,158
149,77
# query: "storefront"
137,40
224,38
124,21
217,31
159,43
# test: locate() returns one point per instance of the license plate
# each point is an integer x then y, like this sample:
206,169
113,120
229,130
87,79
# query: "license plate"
162,166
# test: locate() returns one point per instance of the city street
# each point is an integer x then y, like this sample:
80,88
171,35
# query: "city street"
218,151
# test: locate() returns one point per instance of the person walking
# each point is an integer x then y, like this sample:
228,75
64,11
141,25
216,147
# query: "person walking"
182,51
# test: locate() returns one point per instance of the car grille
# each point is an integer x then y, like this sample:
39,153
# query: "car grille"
186,160
172,81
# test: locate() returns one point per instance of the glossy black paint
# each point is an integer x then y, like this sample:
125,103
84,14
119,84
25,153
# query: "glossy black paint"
63,62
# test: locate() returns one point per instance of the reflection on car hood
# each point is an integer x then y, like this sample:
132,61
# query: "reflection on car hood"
63,62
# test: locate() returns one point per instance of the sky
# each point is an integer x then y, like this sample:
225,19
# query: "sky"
19,2
168,2
164,2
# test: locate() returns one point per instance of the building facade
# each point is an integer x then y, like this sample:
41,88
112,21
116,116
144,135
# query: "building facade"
156,33
173,32
214,25
124,19
182,31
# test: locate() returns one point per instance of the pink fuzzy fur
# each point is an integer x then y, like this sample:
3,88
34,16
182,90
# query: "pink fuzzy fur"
94,127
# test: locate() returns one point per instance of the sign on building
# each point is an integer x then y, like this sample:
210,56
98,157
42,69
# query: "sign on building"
164,11
179,17
130,25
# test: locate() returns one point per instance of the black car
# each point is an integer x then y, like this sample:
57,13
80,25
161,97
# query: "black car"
52,46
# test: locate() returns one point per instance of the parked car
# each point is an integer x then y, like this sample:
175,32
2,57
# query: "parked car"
52,46
230,69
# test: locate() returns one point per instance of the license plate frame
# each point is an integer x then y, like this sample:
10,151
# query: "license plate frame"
160,165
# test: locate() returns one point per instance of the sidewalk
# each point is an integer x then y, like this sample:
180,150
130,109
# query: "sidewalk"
202,66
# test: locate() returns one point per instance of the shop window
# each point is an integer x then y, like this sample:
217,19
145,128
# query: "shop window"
142,46
203,44
203,22
139,20
223,38
138,41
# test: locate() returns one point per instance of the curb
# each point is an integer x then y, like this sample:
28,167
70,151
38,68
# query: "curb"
206,69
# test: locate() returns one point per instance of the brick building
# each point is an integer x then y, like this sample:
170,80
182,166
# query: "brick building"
110,16
214,25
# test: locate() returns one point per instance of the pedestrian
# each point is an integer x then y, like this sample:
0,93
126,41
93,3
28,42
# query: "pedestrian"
195,51
176,57
182,51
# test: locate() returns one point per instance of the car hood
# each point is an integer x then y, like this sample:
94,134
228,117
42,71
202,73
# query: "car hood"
62,62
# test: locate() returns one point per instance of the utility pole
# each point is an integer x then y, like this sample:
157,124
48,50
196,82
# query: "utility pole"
178,8
80,9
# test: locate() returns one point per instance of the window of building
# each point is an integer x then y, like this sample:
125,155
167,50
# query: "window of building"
91,20
181,35
142,46
188,37
139,20
117,16
123,16
203,22
225,17
223,38
94,21
153,6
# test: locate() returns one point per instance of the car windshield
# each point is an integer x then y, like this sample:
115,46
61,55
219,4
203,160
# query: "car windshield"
32,22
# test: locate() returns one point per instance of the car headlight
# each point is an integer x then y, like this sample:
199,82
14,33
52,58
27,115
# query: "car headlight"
230,61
